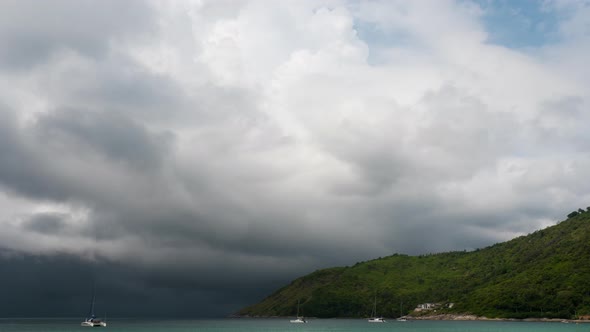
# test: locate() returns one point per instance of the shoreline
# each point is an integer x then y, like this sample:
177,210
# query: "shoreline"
446,317
468,317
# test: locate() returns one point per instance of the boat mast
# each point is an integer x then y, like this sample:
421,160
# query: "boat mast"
375,307
91,313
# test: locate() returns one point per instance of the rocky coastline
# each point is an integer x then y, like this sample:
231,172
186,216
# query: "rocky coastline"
468,317
454,317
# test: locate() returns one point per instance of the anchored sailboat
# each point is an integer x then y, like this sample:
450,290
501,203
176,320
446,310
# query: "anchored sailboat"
91,320
300,319
401,313
374,318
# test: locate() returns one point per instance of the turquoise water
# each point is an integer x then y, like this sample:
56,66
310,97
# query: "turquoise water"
279,325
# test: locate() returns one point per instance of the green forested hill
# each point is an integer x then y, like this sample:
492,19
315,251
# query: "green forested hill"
543,274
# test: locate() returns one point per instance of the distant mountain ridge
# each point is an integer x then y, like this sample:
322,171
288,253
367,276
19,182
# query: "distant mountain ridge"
543,274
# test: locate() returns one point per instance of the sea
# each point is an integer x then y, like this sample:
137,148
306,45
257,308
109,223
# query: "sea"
280,325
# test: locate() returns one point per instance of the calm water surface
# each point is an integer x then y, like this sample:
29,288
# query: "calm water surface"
279,325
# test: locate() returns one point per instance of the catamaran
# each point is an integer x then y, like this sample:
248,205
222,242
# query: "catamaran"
374,318
299,319
91,320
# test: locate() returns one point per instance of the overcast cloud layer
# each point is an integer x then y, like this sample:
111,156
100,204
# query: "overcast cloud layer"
227,147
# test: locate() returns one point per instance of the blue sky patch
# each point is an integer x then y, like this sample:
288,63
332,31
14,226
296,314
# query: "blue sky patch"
519,23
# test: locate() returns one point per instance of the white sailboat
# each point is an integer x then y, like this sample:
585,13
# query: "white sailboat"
91,320
401,313
374,318
299,319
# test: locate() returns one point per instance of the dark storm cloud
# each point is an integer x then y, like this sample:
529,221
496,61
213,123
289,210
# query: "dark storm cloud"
32,31
46,223
118,85
20,168
34,155
109,134
61,285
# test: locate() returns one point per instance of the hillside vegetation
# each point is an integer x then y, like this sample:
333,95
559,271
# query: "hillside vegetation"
543,274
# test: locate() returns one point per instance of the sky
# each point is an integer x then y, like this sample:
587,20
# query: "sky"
189,157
